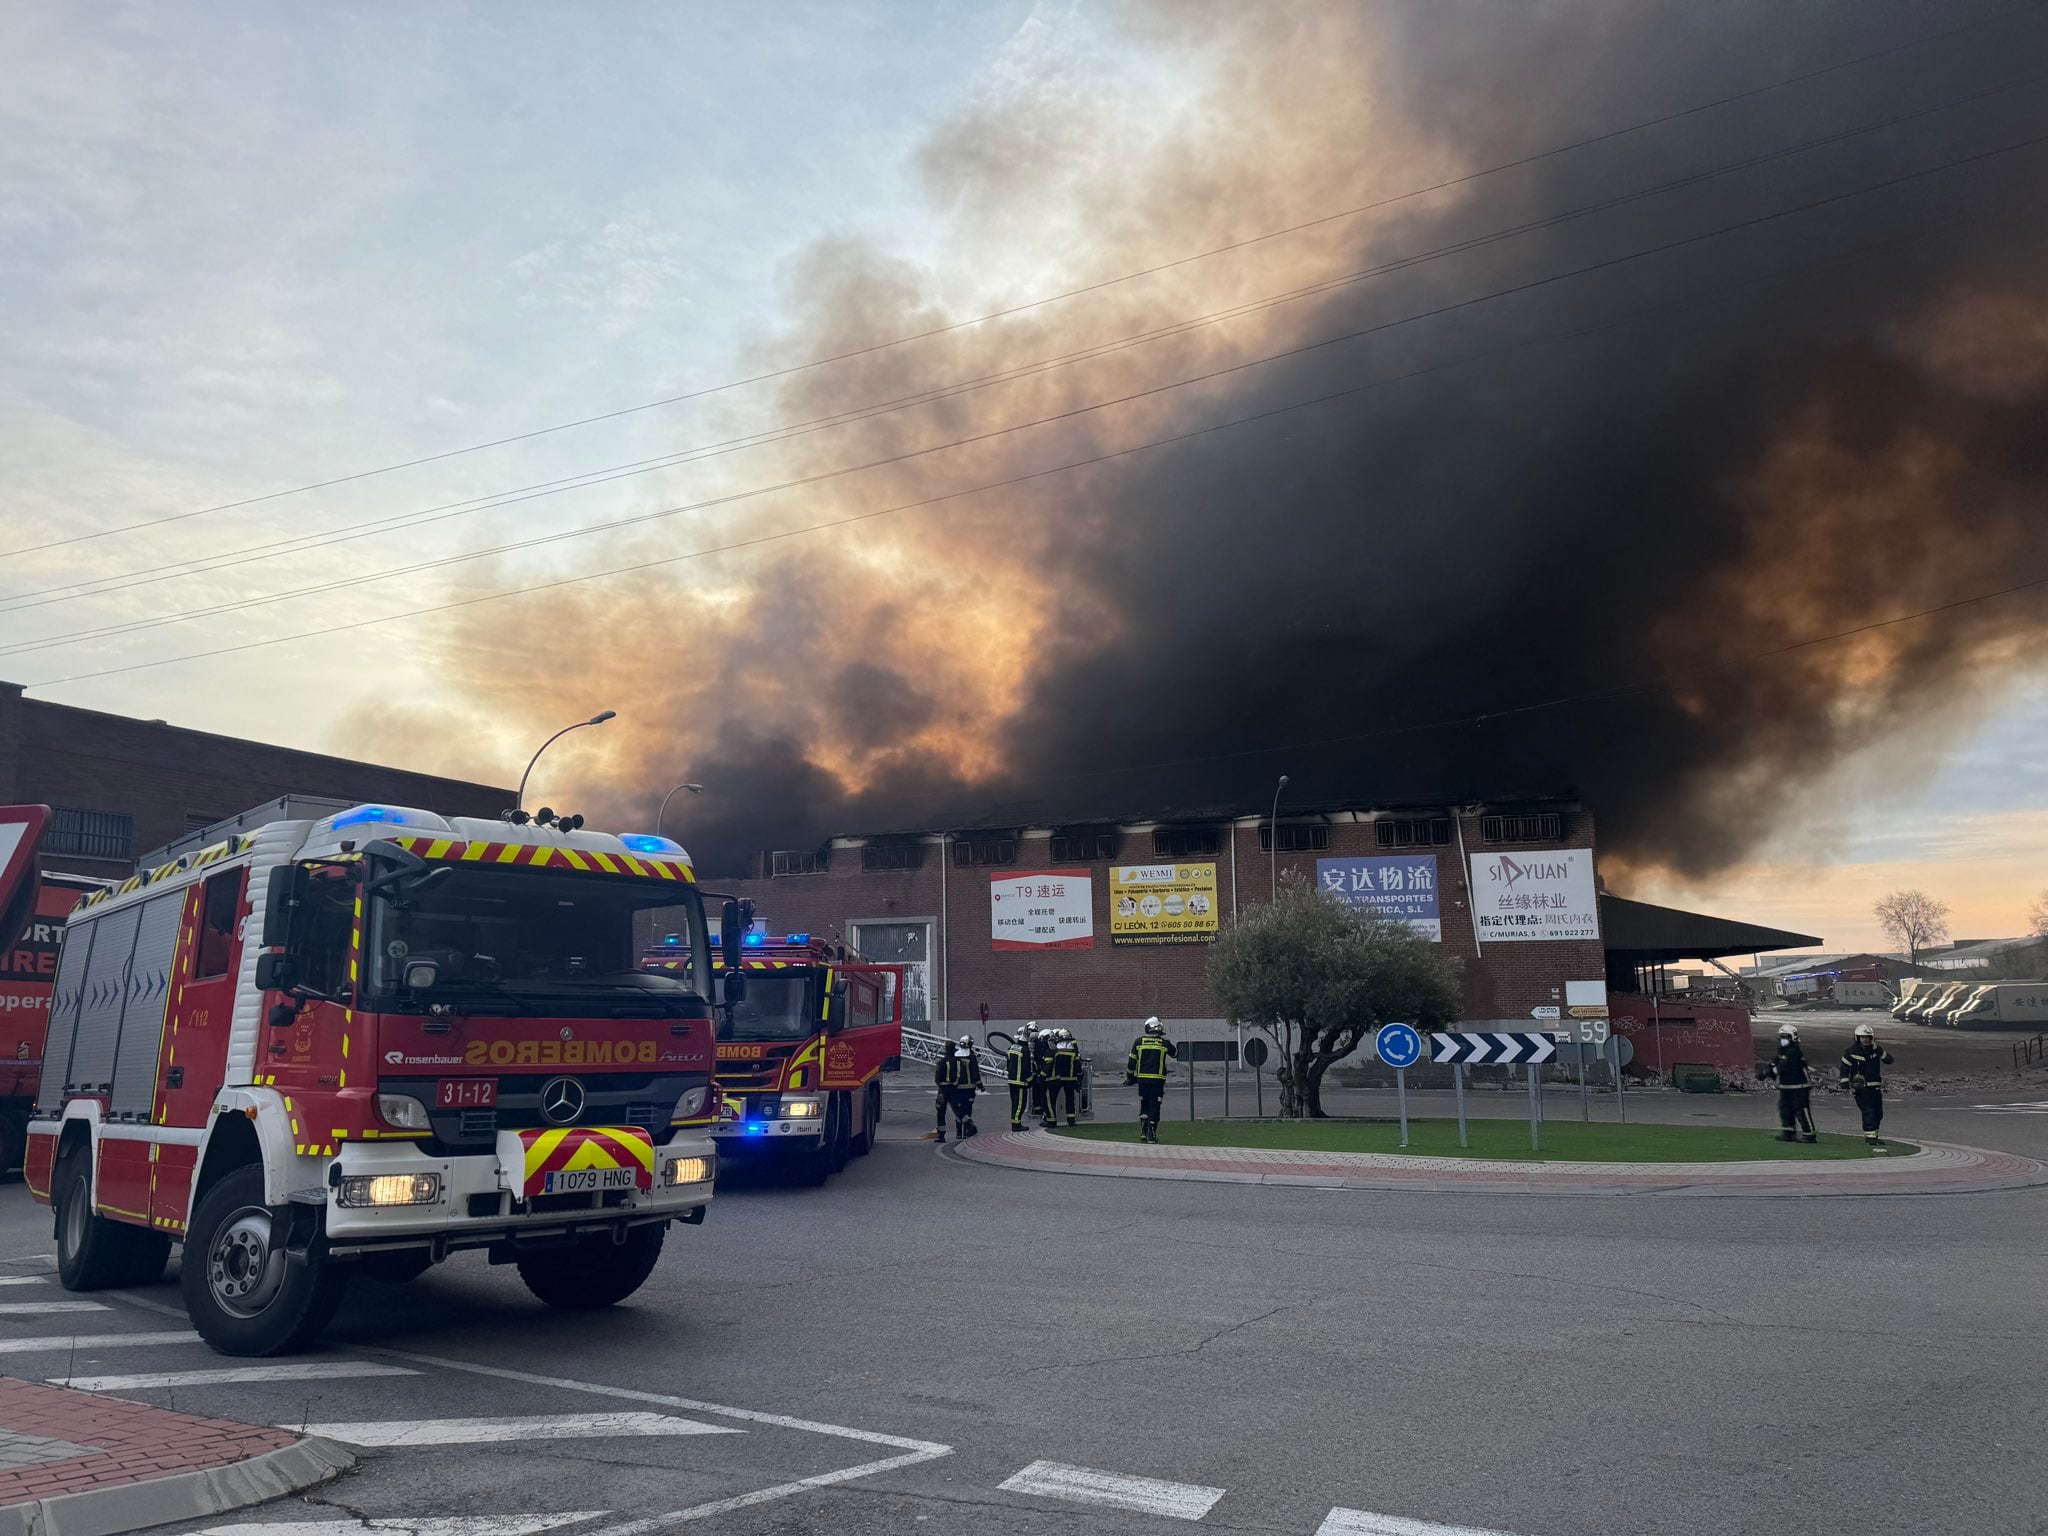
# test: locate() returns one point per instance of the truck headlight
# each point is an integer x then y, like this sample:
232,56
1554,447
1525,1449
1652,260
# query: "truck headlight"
685,1170
802,1109
691,1103
403,1111
363,1189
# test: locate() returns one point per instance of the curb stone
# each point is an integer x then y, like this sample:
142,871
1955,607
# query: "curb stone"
161,1501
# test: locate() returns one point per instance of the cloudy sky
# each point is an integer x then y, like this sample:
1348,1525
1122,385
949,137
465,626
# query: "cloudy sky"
246,250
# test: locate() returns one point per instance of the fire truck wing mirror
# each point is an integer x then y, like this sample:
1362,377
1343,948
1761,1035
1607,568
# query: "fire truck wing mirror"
735,988
404,873
835,1010
281,903
421,974
732,928
274,973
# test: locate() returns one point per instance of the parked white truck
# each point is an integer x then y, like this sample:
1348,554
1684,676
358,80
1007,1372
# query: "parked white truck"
1997,1003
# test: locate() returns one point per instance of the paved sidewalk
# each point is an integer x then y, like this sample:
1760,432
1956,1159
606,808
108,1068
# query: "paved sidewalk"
1940,1168
78,1464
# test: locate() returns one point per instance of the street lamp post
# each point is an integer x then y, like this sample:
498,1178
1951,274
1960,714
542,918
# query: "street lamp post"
695,789
519,800
1273,837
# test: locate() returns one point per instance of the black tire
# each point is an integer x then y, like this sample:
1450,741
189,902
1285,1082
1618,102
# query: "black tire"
597,1272
813,1165
871,1101
92,1252
397,1267
243,1292
149,1252
839,1132
13,1140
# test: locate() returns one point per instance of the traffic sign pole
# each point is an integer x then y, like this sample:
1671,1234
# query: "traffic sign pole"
1585,1093
1458,1077
1535,1110
1620,1103
1401,1092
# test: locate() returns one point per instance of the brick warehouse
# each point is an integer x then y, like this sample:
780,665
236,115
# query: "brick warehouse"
120,786
926,898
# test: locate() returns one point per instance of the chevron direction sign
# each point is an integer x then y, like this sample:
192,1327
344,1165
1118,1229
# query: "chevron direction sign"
1491,1048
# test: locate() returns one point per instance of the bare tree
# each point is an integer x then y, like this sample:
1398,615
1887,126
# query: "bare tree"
2037,917
1914,919
1320,977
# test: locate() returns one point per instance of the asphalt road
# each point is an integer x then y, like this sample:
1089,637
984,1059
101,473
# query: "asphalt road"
1537,1366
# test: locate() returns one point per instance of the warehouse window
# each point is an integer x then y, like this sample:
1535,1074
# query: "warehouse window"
1298,839
1413,832
1186,843
797,861
875,857
1084,845
969,851
1547,827
90,835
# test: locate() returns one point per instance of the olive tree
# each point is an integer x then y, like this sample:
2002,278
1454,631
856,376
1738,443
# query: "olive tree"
1319,977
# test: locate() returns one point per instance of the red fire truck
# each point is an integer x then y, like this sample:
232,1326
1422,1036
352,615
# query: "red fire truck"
802,1044
363,1040
28,969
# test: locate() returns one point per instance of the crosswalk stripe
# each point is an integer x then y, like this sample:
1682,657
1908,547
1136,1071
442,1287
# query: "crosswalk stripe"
1359,1522
312,1370
21,1279
438,1525
59,1342
558,1426
44,1308
1084,1485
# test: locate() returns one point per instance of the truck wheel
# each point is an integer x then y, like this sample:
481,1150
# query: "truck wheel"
244,1293
597,1272
871,1101
92,1252
813,1165
13,1140
839,1132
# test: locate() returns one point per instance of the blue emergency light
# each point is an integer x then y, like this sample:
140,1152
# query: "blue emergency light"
362,813
799,938
751,938
647,842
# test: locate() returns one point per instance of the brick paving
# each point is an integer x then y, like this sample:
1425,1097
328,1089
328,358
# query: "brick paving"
1939,1168
55,1442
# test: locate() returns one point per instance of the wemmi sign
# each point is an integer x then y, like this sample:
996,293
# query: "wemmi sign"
1540,894
1042,909
1162,903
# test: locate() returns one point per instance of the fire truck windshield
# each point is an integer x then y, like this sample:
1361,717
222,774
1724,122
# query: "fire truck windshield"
537,940
776,1007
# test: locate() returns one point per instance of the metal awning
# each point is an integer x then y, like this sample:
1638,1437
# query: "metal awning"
1644,934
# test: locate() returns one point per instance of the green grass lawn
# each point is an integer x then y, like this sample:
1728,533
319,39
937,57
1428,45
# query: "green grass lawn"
1564,1141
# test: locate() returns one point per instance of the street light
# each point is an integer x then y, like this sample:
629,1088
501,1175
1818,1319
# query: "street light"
1273,836
695,789
519,800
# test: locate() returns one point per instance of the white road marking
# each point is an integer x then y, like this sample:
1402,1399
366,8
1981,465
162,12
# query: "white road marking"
560,1426
312,1370
56,1343
2012,1109
44,1308
21,1279
1081,1485
1359,1522
440,1525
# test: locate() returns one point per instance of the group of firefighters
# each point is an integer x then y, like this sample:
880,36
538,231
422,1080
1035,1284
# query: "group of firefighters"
1863,1067
1045,1075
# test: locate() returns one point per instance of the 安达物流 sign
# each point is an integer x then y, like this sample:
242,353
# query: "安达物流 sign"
1542,894
1402,888
1162,903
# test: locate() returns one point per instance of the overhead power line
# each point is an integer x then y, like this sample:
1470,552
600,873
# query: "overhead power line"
1108,456
512,496
1016,309
612,525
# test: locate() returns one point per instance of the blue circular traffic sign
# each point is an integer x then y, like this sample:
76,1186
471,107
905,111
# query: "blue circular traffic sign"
1398,1045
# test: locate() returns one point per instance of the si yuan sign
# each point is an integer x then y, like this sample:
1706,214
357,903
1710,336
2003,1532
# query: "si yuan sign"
1402,888
1042,909
1162,903
1528,896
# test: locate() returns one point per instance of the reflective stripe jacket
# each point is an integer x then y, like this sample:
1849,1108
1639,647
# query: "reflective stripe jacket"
1066,1062
1041,1058
1019,1063
1149,1055
1789,1067
957,1069
1863,1065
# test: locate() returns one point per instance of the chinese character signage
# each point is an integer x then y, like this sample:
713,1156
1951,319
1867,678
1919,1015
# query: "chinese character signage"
1400,887
1537,895
1042,909
1162,903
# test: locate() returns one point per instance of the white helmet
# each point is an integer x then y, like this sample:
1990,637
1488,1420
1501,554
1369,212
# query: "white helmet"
1865,1032
1788,1031
1154,1027
968,1041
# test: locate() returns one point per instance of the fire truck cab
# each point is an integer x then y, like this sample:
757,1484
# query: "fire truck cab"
807,1029
364,1041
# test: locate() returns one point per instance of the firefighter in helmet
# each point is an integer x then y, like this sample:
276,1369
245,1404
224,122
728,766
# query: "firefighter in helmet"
1146,1067
1065,1080
958,1076
1863,1067
1041,1075
1018,1060
1795,1087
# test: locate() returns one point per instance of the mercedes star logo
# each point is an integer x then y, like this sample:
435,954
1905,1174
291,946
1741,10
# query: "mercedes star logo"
561,1100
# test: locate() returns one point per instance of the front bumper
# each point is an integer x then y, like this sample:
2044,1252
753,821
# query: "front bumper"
738,1136
483,1195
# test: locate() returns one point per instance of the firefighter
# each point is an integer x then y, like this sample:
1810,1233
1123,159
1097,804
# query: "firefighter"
1863,1067
958,1076
1065,1081
1147,1068
1042,1045
1019,1062
1795,1087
